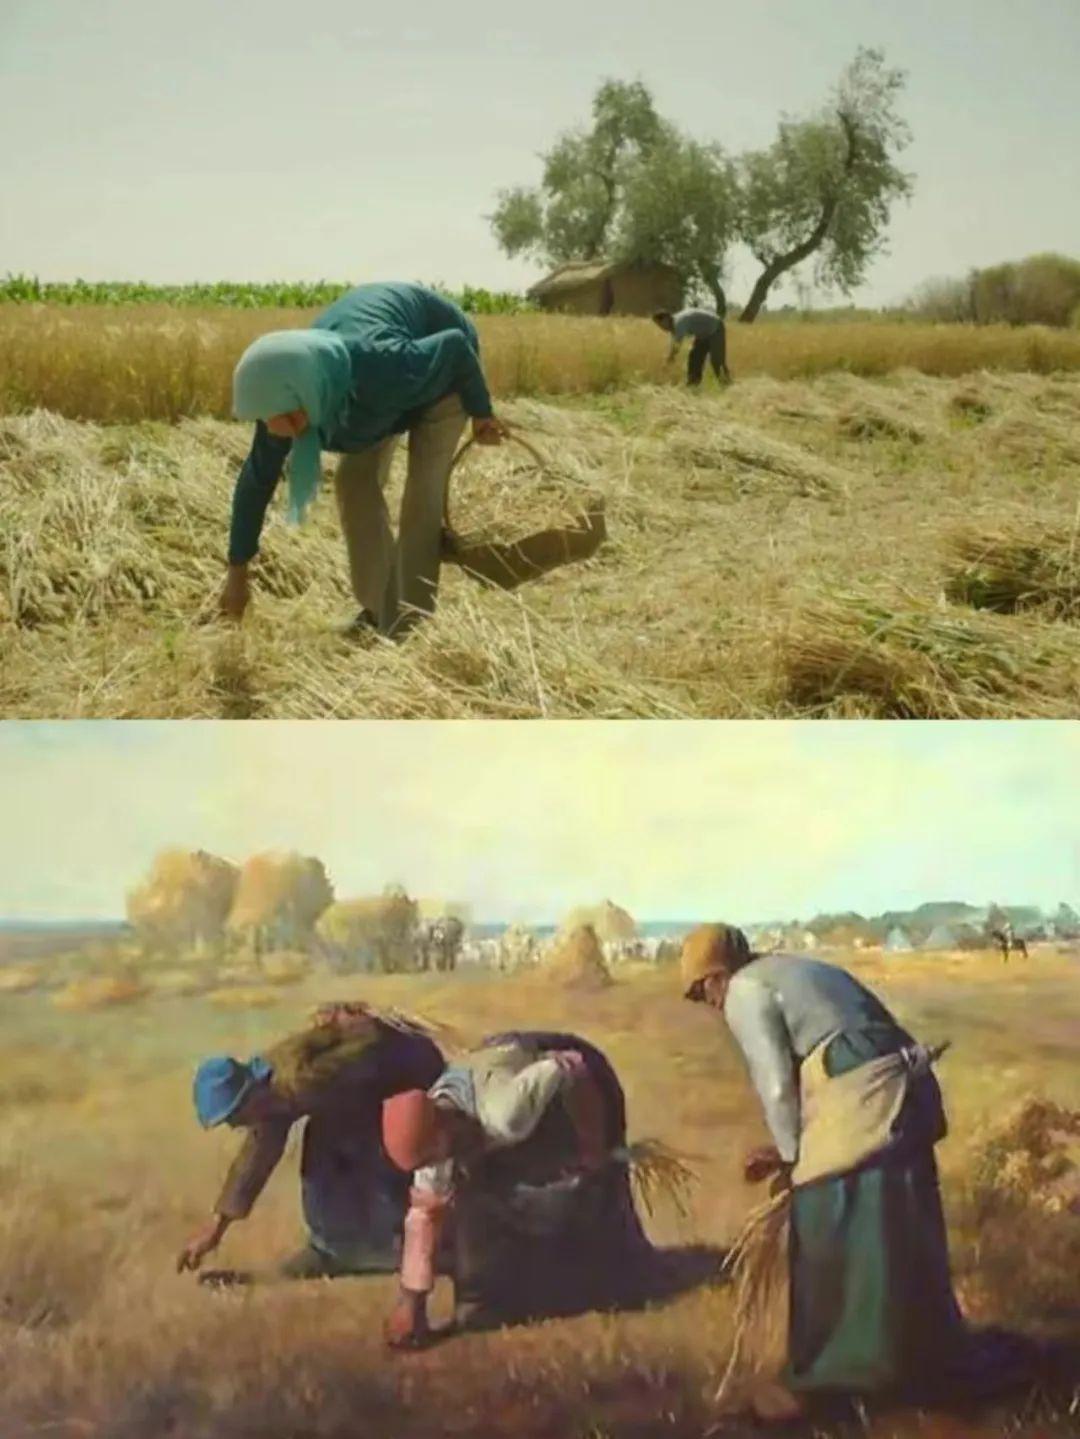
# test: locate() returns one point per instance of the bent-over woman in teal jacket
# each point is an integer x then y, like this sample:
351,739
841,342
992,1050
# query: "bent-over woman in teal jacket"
383,360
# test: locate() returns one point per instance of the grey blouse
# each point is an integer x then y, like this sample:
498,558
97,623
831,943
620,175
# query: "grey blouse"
779,1007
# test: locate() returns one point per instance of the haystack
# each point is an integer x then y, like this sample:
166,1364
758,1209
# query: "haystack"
278,898
610,922
577,961
183,901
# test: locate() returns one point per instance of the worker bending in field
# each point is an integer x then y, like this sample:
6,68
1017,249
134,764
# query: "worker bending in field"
383,360
854,1112
524,1143
707,330
335,1076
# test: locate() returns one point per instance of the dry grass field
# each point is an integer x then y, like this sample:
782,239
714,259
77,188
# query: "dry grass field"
104,1172
898,547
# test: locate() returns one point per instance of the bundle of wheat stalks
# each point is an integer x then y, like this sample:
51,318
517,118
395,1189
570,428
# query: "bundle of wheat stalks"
658,1172
1015,564
356,1016
757,1266
857,654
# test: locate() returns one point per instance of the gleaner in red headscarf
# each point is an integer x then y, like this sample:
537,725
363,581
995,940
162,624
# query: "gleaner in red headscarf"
526,1141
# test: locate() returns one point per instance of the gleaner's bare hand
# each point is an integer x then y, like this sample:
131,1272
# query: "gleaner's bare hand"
489,431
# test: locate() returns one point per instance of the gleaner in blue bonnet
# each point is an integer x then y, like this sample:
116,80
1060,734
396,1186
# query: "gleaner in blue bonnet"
331,1078
382,361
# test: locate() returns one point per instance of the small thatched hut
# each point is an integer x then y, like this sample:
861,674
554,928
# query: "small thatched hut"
601,287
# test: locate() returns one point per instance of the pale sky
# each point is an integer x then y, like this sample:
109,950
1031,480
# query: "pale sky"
255,141
673,820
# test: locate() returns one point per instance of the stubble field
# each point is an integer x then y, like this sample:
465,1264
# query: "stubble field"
810,542
105,1172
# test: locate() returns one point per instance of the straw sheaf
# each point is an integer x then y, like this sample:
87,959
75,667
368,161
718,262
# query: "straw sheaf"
757,1267
751,463
660,1174
338,1036
1012,563
857,653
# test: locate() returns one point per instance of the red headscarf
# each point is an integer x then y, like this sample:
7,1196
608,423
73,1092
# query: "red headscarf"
410,1126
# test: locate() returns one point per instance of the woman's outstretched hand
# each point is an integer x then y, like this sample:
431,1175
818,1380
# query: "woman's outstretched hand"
201,1244
406,1325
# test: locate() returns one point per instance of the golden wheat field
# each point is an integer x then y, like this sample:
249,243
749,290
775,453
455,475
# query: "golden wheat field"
156,362
105,1173
901,547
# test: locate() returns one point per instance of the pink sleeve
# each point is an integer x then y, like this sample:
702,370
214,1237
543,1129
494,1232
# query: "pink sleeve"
423,1226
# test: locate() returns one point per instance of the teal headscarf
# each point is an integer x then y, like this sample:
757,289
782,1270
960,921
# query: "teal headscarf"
296,370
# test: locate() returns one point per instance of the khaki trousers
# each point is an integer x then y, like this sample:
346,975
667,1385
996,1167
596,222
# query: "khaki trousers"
397,582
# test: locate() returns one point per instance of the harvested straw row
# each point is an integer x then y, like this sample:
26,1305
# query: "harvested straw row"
1015,563
857,654
752,462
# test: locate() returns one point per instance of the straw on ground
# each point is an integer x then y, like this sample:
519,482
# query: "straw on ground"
765,557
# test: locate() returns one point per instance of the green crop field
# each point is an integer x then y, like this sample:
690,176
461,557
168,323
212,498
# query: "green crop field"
281,294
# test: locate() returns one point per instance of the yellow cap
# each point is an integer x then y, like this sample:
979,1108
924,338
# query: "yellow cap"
711,949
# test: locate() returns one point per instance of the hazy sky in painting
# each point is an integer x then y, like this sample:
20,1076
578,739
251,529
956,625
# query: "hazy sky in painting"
270,140
523,820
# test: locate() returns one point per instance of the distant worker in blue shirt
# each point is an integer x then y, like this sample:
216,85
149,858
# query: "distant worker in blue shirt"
706,328
382,361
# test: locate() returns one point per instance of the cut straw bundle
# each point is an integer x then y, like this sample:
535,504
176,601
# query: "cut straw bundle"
358,1016
660,1173
1015,563
857,654
757,1265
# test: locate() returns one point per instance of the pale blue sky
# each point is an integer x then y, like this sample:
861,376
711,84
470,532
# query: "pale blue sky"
272,140
524,820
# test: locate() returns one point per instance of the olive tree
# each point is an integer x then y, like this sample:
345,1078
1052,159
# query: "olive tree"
681,208
632,187
826,185
576,209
